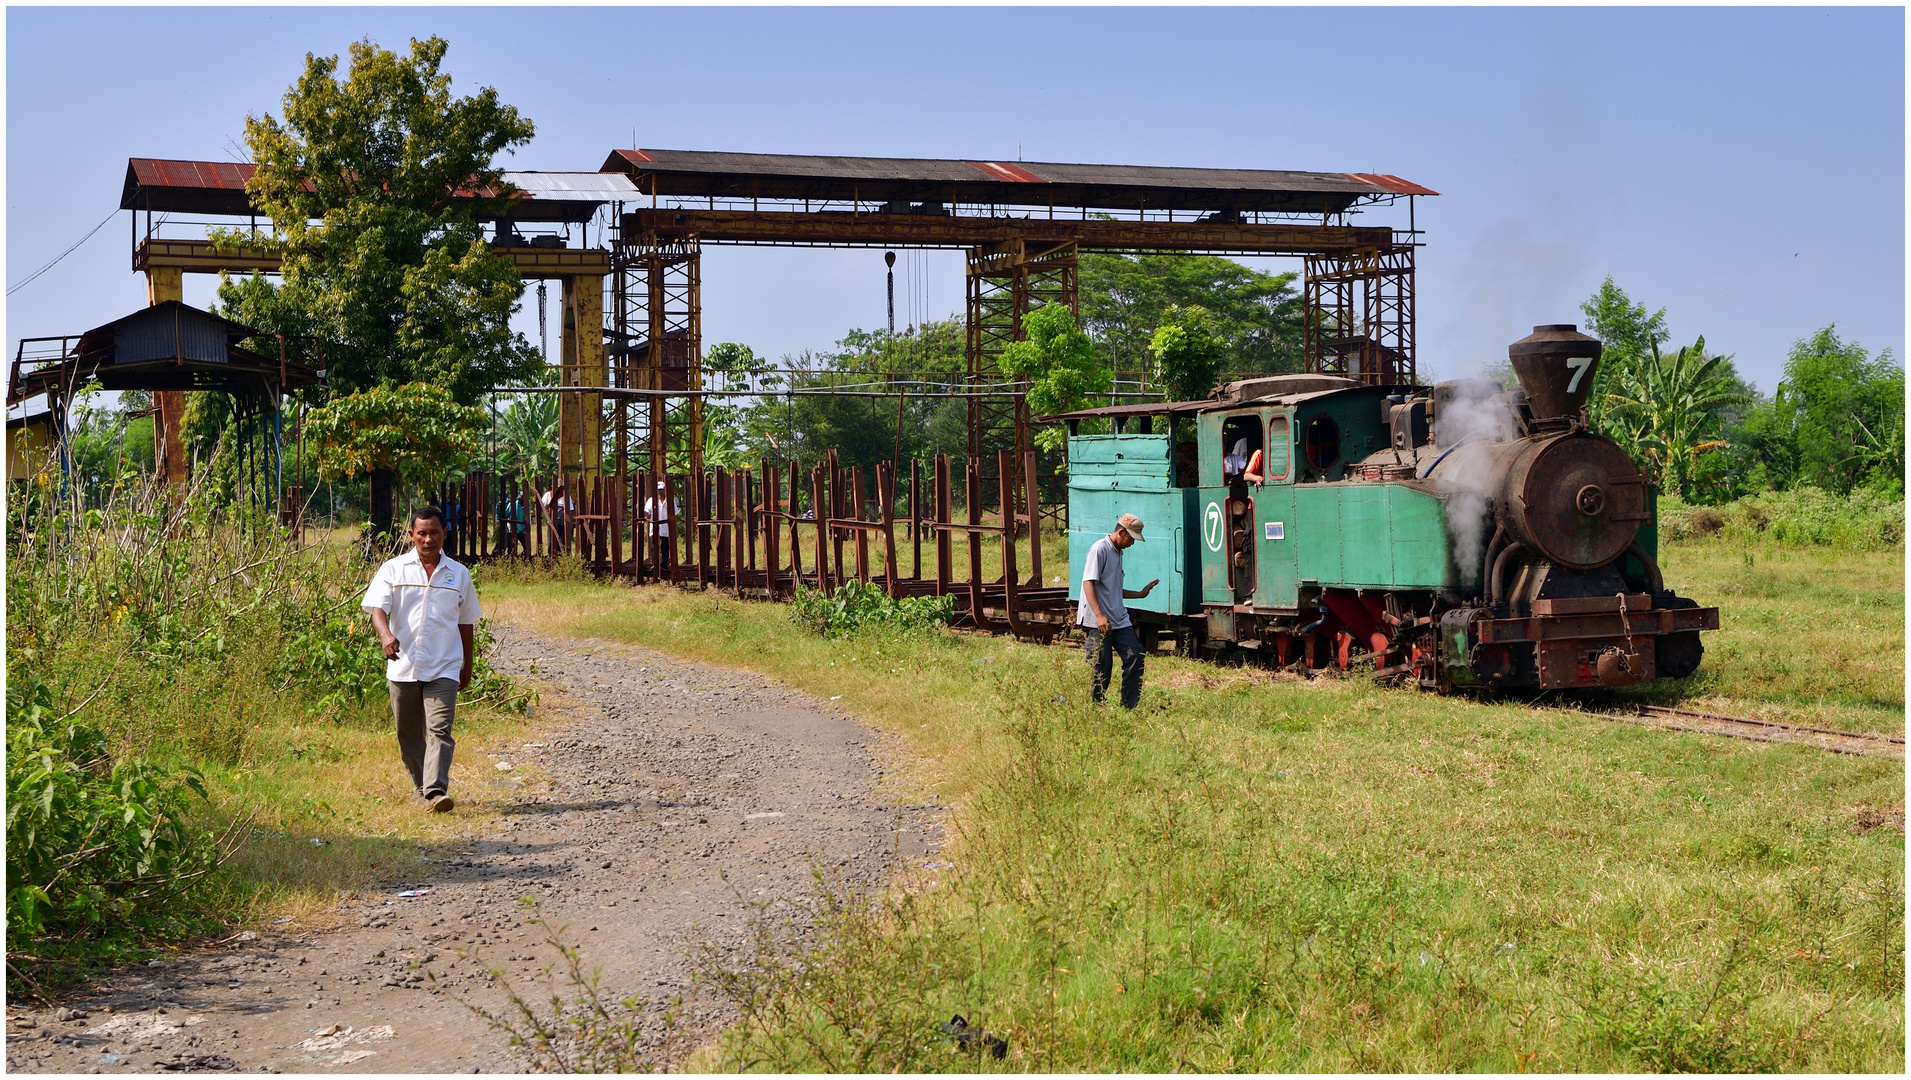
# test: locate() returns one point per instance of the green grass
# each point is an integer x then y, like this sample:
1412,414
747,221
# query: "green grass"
1811,633
1259,873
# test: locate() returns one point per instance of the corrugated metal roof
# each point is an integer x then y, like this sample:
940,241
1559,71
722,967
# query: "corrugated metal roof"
1022,183
218,187
188,187
573,186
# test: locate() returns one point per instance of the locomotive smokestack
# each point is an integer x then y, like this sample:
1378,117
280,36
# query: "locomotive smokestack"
1555,365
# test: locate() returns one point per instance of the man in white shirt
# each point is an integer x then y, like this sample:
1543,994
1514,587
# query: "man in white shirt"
1106,628
1235,463
657,508
425,610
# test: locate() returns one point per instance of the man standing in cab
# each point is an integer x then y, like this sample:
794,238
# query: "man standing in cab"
1106,629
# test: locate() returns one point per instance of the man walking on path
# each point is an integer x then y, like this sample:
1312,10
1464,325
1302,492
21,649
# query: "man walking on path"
1106,629
425,609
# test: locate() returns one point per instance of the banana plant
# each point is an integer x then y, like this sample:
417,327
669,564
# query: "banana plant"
1665,411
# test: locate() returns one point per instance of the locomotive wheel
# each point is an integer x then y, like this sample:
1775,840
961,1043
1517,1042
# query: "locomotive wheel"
1677,656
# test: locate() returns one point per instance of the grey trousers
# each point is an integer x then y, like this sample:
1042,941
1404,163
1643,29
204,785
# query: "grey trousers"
424,711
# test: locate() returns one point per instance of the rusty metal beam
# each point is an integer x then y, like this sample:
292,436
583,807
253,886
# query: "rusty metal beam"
200,257
844,229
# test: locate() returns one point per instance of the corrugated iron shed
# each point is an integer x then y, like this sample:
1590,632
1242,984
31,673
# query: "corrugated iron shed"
168,346
699,173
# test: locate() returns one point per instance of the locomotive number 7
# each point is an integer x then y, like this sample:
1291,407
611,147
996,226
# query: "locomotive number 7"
1580,365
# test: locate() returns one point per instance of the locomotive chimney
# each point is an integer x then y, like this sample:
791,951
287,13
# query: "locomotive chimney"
1555,365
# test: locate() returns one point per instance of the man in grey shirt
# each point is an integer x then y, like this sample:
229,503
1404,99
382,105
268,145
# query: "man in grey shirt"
1106,628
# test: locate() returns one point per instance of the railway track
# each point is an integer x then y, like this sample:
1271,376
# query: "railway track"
1860,743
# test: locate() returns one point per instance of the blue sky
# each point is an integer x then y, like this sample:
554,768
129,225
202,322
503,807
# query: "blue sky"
1743,168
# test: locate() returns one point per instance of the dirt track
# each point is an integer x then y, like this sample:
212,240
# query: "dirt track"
658,780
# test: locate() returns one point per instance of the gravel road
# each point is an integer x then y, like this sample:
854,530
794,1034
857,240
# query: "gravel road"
666,798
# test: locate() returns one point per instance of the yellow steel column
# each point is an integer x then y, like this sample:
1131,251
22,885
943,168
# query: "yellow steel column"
165,283
582,363
587,297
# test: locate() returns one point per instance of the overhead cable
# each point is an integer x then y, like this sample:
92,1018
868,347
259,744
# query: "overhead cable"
56,260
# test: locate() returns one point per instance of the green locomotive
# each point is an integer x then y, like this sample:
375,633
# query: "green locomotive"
1460,535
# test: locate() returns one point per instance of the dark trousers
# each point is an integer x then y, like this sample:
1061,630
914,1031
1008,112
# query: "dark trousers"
1101,648
424,712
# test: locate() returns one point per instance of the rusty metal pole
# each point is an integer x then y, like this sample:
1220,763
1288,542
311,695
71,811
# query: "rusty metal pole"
861,511
972,490
1032,500
886,491
796,541
819,512
944,516
1011,605
915,518
772,509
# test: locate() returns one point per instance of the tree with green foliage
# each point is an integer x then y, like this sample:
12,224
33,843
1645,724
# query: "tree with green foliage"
1841,412
1257,316
1058,363
728,366
1628,333
417,431
1188,353
370,181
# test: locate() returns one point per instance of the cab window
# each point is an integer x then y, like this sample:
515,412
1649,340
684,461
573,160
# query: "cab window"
1240,438
1320,444
1278,444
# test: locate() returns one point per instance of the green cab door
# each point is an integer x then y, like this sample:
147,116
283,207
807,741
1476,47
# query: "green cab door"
1277,582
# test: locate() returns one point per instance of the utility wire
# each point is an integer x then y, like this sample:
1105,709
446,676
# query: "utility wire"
56,261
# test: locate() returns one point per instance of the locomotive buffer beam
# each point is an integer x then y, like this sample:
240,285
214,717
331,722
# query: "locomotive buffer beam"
1601,625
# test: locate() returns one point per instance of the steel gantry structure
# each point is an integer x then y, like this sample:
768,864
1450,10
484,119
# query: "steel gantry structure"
631,314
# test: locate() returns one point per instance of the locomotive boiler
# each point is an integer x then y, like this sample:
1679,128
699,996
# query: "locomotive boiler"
1459,535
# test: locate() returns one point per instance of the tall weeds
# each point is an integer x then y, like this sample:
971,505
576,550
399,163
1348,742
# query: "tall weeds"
148,639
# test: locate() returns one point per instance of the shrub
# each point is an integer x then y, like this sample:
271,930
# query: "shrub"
858,605
94,847
1864,520
161,635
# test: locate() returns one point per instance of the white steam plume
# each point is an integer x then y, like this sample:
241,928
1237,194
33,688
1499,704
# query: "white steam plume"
1469,476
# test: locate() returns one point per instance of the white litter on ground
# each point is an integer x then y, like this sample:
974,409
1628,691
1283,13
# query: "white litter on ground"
342,1035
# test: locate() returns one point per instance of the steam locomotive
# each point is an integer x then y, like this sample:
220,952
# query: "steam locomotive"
1459,535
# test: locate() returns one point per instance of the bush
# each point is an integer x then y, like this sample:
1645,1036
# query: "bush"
1802,517
162,636
95,847
859,605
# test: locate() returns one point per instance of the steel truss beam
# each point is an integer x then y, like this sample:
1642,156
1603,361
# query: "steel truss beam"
1360,315
657,345
842,229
